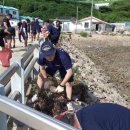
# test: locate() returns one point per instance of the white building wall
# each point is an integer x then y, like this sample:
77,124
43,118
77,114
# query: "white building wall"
97,6
70,27
89,22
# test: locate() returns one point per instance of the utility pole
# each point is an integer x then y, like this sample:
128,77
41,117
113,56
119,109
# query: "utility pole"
77,17
3,6
91,19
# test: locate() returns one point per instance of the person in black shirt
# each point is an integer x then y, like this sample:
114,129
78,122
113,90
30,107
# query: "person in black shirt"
19,24
33,31
13,37
5,22
24,32
3,34
58,27
5,25
28,27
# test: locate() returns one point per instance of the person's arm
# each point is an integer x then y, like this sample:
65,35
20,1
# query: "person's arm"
5,25
67,77
43,72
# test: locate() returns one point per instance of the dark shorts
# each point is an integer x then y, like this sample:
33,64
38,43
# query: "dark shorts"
9,37
14,34
51,72
38,30
2,43
25,36
34,32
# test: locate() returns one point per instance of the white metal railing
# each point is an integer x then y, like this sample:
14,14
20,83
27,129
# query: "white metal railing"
30,117
12,85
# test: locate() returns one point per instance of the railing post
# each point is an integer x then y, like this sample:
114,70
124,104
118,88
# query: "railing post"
17,80
3,116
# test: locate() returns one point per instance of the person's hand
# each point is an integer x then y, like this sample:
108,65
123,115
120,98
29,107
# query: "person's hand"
59,89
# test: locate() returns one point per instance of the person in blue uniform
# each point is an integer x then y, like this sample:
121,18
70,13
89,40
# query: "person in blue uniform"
52,60
38,28
101,116
53,34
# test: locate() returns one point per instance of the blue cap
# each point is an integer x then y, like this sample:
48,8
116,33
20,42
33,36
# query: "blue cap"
47,49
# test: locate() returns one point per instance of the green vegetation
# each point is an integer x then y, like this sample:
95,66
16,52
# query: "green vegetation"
83,34
118,10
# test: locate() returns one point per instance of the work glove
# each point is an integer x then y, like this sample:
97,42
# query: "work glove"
59,89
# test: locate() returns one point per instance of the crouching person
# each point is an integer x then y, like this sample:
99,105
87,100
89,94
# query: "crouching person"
100,116
52,60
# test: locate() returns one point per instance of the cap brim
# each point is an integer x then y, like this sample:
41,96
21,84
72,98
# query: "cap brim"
47,53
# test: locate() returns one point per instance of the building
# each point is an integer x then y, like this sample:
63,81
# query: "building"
69,25
97,6
4,10
86,23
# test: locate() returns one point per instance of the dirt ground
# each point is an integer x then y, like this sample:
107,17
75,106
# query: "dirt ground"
111,53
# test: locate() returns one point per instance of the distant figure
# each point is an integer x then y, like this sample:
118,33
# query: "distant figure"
38,28
58,26
19,24
100,116
24,32
53,34
28,27
33,30
5,25
5,22
13,37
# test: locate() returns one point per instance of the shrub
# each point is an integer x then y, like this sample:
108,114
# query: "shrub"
83,34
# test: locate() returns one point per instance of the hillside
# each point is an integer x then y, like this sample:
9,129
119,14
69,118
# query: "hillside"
118,10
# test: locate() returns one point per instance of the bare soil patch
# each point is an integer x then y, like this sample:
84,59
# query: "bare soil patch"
111,53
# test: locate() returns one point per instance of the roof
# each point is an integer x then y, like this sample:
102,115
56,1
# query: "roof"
30,18
87,18
8,7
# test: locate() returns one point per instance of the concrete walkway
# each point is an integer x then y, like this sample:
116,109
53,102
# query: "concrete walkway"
18,51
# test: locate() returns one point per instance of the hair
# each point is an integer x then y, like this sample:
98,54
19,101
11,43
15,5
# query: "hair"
47,20
10,15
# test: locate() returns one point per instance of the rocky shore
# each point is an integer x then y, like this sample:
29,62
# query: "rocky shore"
100,84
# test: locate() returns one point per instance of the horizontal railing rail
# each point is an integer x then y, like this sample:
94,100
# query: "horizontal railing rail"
31,117
7,74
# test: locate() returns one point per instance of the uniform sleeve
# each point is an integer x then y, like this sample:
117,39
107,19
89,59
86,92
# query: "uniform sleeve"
49,28
41,61
66,61
5,20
